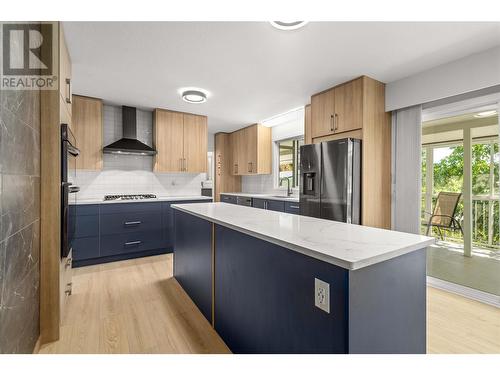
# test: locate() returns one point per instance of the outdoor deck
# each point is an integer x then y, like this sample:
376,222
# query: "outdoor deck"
445,261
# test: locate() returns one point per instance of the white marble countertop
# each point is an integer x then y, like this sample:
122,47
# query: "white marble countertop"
266,196
158,199
346,245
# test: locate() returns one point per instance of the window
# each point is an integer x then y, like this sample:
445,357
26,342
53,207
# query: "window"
289,160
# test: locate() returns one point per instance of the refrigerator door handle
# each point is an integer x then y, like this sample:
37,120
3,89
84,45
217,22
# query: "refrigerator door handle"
349,182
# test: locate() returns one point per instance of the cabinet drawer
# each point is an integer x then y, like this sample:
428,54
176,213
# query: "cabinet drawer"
86,225
84,209
276,205
113,208
130,222
115,244
292,208
244,201
85,248
229,199
268,204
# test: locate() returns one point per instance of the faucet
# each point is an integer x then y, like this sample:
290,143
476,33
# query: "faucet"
288,189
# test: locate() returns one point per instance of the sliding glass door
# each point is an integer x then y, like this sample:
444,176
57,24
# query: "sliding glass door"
460,200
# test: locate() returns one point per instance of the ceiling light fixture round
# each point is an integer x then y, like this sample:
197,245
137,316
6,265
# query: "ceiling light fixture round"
288,25
194,96
486,114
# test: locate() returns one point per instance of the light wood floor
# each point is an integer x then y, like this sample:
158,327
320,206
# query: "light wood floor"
136,306
133,306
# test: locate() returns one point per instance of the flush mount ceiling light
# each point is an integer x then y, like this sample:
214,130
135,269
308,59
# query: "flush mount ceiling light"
194,96
288,25
486,114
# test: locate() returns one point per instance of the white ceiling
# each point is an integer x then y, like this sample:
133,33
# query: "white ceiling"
252,70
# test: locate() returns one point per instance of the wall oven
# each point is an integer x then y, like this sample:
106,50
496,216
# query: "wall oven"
69,154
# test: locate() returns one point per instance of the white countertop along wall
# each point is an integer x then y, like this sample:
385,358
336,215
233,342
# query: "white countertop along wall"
348,246
131,174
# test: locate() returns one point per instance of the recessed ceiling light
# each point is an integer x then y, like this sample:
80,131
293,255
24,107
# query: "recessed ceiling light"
288,25
486,114
194,96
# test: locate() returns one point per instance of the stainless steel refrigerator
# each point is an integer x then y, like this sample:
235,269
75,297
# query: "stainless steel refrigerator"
330,180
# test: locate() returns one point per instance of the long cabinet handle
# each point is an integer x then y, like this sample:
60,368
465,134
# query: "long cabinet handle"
70,94
185,165
332,123
294,206
133,222
236,168
336,122
133,243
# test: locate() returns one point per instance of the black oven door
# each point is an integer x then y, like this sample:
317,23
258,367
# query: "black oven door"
69,153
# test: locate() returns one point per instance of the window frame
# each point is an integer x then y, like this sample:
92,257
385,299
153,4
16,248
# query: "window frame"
276,163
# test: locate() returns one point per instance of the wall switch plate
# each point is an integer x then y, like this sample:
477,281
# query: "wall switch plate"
322,295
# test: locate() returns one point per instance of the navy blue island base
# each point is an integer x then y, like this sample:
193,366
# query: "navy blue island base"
260,298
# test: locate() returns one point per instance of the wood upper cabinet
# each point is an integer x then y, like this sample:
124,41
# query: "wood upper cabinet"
87,128
348,106
168,141
236,151
195,143
322,113
180,140
337,110
251,150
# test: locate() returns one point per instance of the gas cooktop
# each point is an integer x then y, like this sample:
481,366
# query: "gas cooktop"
128,197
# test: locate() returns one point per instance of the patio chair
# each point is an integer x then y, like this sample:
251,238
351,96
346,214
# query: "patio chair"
444,215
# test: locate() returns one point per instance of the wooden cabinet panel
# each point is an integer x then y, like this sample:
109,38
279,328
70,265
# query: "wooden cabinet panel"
307,125
250,144
195,143
252,151
349,106
87,128
238,152
360,108
225,180
65,73
264,150
169,141
322,111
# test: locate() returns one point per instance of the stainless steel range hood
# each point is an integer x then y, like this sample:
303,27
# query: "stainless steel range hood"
129,144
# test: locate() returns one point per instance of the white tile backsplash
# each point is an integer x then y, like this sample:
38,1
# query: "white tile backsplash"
130,174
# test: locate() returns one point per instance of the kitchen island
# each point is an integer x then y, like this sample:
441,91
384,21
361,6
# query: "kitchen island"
272,282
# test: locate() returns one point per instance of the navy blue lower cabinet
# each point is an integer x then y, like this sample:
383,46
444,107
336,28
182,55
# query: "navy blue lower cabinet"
269,204
193,259
123,243
259,203
264,298
85,238
85,248
292,208
229,199
274,205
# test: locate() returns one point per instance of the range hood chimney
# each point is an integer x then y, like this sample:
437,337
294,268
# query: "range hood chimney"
129,144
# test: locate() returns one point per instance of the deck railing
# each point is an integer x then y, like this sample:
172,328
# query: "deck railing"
485,222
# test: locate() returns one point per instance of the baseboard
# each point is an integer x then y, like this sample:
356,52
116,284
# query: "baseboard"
477,295
36,349
115,258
